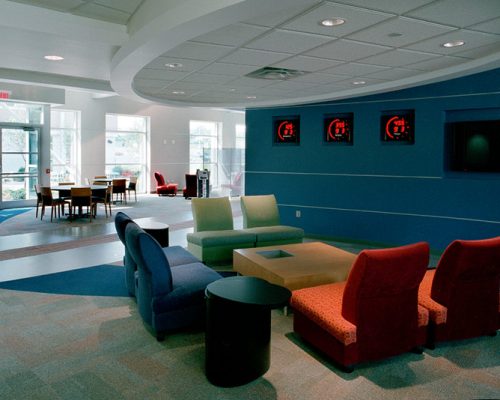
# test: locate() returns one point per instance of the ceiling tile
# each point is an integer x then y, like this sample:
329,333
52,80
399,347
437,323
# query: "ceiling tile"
355,69
437,63
399,32
198,51
187,65
228,69
459,13
292,85
356,18
287,42
472,39
274,19
482,51
207,78
398,58
318,77
390,6
304,63
394,73
59,5
254,57
492,26
96,11
128,6
232,35
249,82
346,50
166,75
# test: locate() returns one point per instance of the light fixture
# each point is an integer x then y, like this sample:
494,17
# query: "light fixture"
178,92
455,43
332,22
173,65
251,97
53,58
358,82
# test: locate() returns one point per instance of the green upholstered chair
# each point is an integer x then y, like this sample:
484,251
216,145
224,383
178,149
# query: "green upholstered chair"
214,238
261,216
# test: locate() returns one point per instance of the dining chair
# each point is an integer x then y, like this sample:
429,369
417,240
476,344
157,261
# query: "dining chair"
100,177
65,194
120,189
38,198
48,200
132,186
105,199
81,197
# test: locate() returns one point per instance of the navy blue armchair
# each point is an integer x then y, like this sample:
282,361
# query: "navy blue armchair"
168,298
176,255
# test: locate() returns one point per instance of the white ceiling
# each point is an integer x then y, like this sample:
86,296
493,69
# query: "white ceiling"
123,45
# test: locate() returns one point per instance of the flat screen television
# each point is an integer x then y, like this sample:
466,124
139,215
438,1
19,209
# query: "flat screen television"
475,146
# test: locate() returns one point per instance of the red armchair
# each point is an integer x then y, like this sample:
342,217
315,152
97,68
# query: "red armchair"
163,188
374,314
461,294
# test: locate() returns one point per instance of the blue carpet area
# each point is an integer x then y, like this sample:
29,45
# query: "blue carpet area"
11,212
101,280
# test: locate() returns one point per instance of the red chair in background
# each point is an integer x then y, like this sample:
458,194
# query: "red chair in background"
462,293
374,314
164,188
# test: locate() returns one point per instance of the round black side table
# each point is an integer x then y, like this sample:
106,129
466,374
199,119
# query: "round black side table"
238,331
158,230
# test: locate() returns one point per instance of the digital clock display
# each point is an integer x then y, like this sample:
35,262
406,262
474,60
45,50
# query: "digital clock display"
398,127
338,129
287,130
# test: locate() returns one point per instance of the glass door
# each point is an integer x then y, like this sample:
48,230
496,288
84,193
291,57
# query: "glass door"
18,165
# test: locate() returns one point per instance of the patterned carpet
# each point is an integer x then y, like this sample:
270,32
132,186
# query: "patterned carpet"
78,347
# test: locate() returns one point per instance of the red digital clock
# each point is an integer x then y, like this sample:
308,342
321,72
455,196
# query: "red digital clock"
338,129
287,130
398,127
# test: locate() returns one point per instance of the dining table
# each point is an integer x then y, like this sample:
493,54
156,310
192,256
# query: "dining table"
65,191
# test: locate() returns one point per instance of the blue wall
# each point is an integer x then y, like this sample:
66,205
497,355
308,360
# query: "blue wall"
393,194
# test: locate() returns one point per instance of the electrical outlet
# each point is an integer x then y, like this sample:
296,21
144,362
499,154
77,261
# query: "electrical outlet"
297,213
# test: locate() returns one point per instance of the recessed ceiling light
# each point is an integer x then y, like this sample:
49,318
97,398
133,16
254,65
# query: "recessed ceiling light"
358,82
178,92
251,97
332,22
232,90
173,65
53,58
455,43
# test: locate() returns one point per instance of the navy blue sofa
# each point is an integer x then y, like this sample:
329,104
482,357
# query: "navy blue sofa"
168,298
176,255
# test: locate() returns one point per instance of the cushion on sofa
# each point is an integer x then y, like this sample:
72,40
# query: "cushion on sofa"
259,211
213,214
177,255
276,233
220,238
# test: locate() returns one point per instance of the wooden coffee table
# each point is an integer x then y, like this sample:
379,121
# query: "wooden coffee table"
295,266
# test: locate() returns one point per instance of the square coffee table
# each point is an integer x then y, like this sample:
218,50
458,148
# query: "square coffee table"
295,266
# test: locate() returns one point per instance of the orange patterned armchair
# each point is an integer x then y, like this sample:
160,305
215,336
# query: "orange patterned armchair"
374,314
462,293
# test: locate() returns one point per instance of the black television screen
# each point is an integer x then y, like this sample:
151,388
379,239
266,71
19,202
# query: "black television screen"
475,146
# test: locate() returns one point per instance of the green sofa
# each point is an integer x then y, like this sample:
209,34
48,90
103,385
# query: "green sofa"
261,217
214,237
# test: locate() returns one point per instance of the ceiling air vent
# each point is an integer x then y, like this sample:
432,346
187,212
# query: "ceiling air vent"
272,73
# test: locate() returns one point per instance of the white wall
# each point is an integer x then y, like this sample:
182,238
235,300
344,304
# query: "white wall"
169,133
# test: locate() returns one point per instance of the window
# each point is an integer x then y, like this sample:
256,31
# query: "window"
126,147
64,146
203,148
